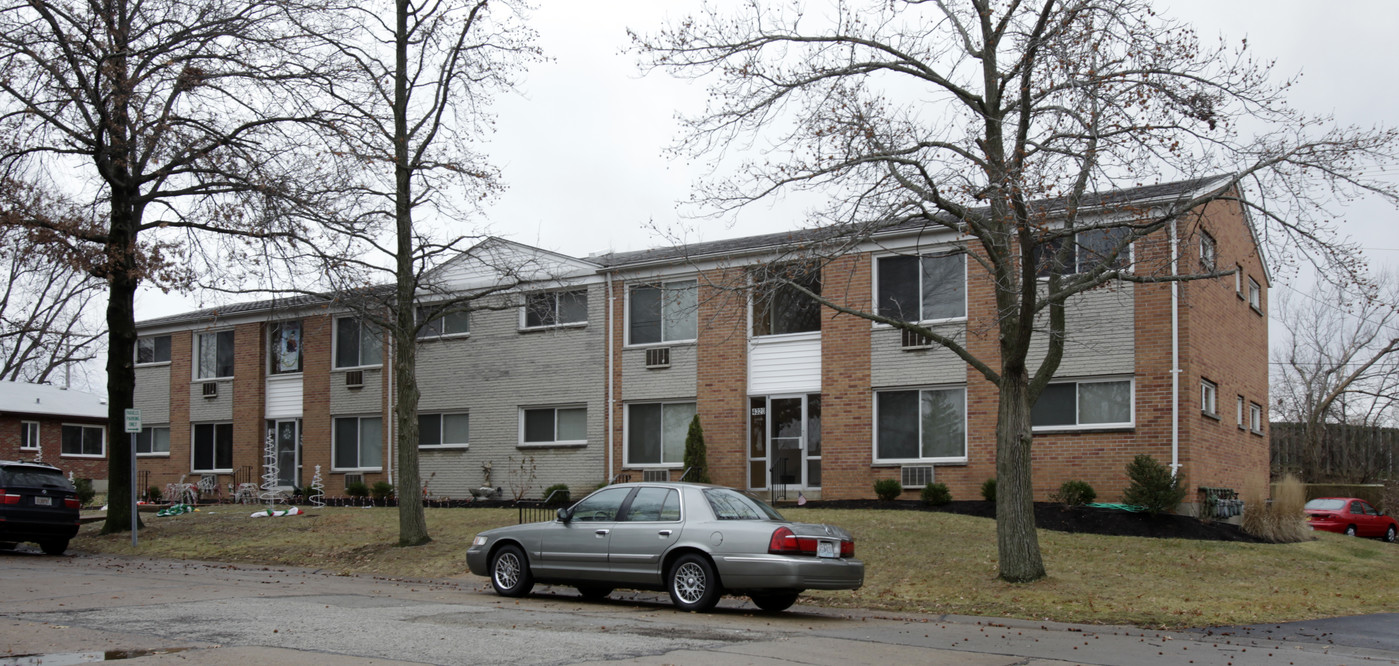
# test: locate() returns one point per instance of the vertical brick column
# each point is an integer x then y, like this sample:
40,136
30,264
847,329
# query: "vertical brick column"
722,381
249,396
846,399
315,401
168,470
983,397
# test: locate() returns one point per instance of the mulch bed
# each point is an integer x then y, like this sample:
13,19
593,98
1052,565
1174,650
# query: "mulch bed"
1079,520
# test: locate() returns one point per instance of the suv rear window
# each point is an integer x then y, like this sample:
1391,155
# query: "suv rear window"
33,477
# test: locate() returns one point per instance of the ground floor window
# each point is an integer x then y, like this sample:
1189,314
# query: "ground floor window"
29,435
656,433
84,440
554,425
923,425
154,441
1103,403
359,443
213,448
443,430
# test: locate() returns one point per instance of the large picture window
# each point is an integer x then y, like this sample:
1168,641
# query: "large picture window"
213,448
923,288
286,346
153,349
444,430
84,440
456,322
927,424
556,308
153,441
779,308
357,343
656,433
359,443
214,352
1098,403
663,313
554,425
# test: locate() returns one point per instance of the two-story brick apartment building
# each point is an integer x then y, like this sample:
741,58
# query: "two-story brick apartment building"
600,373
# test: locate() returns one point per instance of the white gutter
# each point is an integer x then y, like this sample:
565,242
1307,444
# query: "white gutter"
1174,234
611,319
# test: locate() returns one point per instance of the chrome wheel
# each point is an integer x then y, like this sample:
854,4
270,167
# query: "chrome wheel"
692,583
507,570
1390,534
510,573
689,582
1350,530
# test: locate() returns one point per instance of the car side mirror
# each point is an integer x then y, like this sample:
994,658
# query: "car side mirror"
565,515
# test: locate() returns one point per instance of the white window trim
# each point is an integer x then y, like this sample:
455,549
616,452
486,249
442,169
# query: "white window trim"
1131,266
194,355
1239,412
626,319
522,327
1255,295
1081,427
135,351
216,470
521,443
1209,407
443,447
421,337
626,434
382,444
874,428
38,433
166,454
335,347
270,342
61,454
1255,426
874,289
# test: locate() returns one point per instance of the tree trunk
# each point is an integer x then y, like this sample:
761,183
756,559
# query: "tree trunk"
121,348
1016,540
412,521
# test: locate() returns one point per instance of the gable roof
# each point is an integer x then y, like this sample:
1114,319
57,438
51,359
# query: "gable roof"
47,400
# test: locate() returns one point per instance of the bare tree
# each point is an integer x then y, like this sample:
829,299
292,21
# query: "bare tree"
959,116
173,117
46,326
1338,364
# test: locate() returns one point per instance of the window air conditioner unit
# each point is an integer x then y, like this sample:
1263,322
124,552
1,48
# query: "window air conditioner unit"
354,379
916,476
913,340
352,479
211,389
658,357
654,475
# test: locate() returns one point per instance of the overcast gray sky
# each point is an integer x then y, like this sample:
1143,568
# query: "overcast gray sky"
581,147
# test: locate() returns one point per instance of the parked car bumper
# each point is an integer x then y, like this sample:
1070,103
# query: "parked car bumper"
26,531
781,572
477,559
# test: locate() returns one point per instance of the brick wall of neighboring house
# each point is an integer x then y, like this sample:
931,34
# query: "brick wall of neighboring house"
847,414
722,353
51,443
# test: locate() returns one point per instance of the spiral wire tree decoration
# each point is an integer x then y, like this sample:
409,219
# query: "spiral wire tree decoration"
317,489
270,495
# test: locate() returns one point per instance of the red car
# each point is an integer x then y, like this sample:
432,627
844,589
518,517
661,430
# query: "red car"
1350,516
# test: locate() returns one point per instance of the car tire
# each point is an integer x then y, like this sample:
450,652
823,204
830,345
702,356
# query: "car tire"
692,584
595,592
775,602
1350,530
1391,534
54,547
510,575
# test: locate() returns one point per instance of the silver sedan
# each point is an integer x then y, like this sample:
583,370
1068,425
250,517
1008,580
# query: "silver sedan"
695,541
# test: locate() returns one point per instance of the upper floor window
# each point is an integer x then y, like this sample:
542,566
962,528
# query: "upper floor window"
1255,295
1097,403
357,343
454,322
1239,280
1209,398
779,307
556,308
1092,248
28,435
663,312
1207,252
923,288
1255,418
153,349
286,346
214,352
84,440
1239,412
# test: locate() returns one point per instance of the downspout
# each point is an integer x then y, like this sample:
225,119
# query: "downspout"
611,323
1175,352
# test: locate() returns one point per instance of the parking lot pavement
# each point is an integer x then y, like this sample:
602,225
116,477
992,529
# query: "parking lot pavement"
1368,632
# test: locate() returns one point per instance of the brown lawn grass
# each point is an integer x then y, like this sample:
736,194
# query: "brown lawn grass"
915,561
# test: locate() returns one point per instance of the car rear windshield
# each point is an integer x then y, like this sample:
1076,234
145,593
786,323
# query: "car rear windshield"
32,477
1325,505
733,505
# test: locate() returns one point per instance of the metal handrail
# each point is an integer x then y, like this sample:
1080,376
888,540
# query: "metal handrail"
687,473
624,476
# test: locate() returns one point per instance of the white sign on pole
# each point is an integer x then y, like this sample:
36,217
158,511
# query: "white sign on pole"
133,420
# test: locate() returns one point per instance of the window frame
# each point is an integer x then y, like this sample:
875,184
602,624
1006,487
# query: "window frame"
1209,258
922,320
440,429
554,294
627,434
197,363
145,429
136,353
1255,418
1209,398
85,427
213,453
1239,281
950,460
1078,426
425,333
1239,412
756,306
1255,295
663,286
363,329
359,443
273,329
30,427
556,442
1128,259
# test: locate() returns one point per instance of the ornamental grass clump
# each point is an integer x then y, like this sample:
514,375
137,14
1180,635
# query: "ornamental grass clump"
1279,521
1153,487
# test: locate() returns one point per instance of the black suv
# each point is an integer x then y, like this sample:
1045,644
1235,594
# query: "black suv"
37,503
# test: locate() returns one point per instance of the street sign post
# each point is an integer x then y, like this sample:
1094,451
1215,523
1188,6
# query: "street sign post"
133,427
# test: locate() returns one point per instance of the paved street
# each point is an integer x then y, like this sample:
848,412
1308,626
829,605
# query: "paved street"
158,611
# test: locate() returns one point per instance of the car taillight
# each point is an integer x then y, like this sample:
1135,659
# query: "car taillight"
7,498
71,503
785,542
847,548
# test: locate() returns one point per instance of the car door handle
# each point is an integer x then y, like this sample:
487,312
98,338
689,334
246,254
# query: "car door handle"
602,532
664,533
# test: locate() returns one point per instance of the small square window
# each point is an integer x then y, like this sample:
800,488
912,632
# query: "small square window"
1255,418
153,349
554,426
29,435
153,441
556,308
454,322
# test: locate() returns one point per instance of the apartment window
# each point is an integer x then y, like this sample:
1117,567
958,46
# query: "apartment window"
28,435
556,308
286,346
780,308
1239,280
1207,252
455,322
663,313
1092,248
1255,418
213,448
656,433
923,288
1095,403
359,443
214,352
444,430
927,424
1209,398
154,442
1255,295
1239,412
554,425
357,343
153,349
84,440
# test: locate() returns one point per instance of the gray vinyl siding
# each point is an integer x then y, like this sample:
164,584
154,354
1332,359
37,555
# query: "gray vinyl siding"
366,400
153,393
891,365
203,409
1100,334
677,381
492,374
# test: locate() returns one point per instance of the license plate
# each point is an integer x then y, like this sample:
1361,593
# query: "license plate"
826,549
43,501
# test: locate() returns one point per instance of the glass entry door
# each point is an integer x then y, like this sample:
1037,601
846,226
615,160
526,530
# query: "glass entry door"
785,442
288,443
